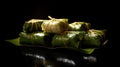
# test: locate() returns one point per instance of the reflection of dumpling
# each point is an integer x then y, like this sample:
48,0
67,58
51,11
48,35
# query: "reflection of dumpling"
39,60
90,59
66,60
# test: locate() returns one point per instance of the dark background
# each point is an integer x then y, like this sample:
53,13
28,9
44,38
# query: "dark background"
99,14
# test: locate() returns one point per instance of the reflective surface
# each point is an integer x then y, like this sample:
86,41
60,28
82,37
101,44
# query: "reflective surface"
44,57
38,57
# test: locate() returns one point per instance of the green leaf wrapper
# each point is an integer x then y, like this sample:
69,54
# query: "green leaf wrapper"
33,25
39,38
94,39
56,26
79,26
70,39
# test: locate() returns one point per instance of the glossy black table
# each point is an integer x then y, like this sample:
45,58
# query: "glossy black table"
39,56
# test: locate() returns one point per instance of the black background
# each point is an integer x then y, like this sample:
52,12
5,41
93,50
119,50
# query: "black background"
98,14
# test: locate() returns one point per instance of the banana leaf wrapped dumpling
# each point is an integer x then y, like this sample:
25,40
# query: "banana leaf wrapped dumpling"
38,38
94,38
69,39
56,26
33,25
79,26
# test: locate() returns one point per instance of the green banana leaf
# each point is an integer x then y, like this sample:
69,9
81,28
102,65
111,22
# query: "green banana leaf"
15,41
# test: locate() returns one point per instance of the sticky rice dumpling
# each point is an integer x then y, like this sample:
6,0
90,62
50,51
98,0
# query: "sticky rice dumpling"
39,38
33,25
79,26
69,39
56,26
94,38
